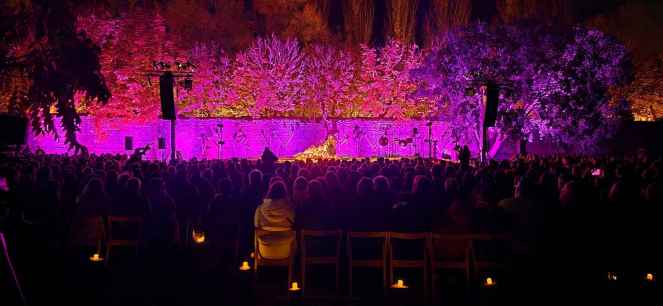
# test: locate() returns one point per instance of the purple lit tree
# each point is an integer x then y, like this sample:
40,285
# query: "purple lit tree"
584,111
554,83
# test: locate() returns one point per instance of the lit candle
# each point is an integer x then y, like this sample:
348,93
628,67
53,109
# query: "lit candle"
489,282
400,284
198,237
96,258
245,266
294,287
649,277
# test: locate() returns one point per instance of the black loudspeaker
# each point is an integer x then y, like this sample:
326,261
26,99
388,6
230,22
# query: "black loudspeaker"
490,106
128,143
162,143
13,129
166,82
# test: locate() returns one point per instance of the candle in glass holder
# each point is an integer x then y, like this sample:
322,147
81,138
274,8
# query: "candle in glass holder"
245,266
96,258
294,287
649,277
400,284
198,237
489,282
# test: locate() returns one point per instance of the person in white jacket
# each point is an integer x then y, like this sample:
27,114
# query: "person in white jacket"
277,216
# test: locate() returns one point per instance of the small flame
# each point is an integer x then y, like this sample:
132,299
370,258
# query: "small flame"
489,282
245,266
400,284
649,277
294,287
198,237
96,258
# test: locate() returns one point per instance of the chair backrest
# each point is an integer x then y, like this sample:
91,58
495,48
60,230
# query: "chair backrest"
373,249
408,246
320,245
274,246
490,250
450,250
88,231
124,231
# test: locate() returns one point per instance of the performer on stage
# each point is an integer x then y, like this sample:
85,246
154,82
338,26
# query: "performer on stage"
268,159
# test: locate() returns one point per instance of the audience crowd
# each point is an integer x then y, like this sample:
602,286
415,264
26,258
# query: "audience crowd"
582,201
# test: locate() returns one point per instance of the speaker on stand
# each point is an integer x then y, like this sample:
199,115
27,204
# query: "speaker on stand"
166,83
128,143
161,145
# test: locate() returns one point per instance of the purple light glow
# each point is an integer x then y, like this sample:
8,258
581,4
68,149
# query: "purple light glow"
248,138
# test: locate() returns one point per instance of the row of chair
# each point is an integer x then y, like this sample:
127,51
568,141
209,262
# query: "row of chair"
428,252
102,234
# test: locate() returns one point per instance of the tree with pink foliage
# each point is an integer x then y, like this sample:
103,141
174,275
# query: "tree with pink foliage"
209,95
128,48
328,80
269,76
384,82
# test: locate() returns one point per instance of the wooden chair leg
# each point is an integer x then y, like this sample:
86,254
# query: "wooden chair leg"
338,274
350,282
302,270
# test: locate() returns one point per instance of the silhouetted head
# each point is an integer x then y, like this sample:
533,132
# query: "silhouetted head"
277,190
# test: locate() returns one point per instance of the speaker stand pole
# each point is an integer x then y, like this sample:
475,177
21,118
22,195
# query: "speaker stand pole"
430,140
484,144
172,139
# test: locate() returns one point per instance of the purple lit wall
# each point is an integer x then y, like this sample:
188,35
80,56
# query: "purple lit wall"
248,138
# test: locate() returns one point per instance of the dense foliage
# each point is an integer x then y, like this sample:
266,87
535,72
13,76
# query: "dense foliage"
45,64
555,84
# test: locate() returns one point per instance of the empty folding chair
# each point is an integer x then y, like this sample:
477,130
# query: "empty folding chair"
449,253
410,251
489,255
319,247
123,232
369,255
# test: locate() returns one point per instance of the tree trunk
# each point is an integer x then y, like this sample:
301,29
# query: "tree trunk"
523,147
497,145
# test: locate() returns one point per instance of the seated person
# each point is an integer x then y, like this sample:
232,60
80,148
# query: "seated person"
275,215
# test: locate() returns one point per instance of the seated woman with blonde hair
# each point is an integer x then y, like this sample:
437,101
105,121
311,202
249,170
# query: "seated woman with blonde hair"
276,217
